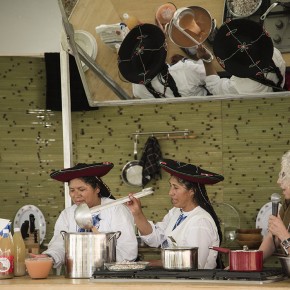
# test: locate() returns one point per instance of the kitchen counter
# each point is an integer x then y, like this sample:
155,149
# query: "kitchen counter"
59,282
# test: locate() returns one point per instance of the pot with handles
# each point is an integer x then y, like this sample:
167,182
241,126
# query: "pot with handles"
180,258
86,252
243,260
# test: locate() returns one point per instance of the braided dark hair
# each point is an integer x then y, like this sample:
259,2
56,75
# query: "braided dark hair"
203,201
166,79
263,80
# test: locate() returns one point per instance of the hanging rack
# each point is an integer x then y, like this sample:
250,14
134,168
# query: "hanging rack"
179,134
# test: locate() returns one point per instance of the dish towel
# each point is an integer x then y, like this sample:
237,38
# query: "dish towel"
149,160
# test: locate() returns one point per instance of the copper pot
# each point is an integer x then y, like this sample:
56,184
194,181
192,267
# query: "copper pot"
243,260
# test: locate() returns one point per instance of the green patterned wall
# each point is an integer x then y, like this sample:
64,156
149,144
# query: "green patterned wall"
241,139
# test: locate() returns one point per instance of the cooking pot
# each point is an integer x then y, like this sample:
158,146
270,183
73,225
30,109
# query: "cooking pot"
190,27
179,258
243,260
86,252
132,171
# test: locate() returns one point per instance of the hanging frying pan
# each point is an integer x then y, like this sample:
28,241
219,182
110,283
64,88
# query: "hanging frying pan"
132,171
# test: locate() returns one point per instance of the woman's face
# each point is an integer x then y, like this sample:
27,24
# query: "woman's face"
181,197
284,183
81,192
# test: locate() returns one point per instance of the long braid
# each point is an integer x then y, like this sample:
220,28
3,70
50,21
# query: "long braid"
263,80
166,80
203,201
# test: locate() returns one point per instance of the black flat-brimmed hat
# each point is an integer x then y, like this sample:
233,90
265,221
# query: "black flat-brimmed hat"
190,172
243,48
81,170
142,54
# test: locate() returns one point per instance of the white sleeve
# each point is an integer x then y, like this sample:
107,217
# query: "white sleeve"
157,237
220,86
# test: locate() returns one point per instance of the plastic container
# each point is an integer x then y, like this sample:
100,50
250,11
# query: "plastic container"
19,254
6,256
130,21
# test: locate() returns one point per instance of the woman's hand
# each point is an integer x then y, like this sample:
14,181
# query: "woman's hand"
202,53
134,205
277,228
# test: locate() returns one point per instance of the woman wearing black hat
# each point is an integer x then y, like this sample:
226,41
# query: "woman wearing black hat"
142,61
245,51
192,222
86,186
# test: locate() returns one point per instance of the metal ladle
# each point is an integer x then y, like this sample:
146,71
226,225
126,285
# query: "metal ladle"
174,243
84,215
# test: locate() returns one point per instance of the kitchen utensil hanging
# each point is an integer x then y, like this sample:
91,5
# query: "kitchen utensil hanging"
132,171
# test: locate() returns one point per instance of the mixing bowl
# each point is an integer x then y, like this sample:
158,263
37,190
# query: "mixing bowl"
38,268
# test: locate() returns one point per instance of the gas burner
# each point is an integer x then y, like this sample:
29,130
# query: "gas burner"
266,276
277,23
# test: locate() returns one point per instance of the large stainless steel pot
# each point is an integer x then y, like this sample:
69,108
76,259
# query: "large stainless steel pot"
243,260
180,258
86,252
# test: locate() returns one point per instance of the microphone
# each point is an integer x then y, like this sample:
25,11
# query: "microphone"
275,199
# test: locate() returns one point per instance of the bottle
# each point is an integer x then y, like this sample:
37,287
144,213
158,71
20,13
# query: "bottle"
19,253
6,256
130,21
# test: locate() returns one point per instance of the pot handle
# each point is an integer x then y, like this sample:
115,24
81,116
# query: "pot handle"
62,233
263,17
116,234
220,249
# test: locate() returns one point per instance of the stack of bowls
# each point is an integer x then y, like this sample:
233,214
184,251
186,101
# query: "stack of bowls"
252,238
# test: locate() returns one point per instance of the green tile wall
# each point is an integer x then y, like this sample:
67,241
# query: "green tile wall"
241,139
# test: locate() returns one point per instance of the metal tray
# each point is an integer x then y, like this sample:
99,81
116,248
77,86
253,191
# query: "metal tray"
126,266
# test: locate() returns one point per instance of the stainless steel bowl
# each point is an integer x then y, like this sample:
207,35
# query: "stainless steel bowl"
243,8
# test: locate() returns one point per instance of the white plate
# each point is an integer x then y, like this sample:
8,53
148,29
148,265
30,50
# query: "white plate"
23,215
263,217
88,43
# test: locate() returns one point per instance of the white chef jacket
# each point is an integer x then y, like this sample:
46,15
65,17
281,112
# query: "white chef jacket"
197,230
189,76
237,85
116,218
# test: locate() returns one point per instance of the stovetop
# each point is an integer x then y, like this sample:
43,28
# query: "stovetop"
154,273
277,23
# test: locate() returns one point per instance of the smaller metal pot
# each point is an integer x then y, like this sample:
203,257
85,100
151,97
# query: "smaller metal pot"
179,258
243,260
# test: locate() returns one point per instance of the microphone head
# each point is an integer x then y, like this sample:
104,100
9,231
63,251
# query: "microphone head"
275,198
